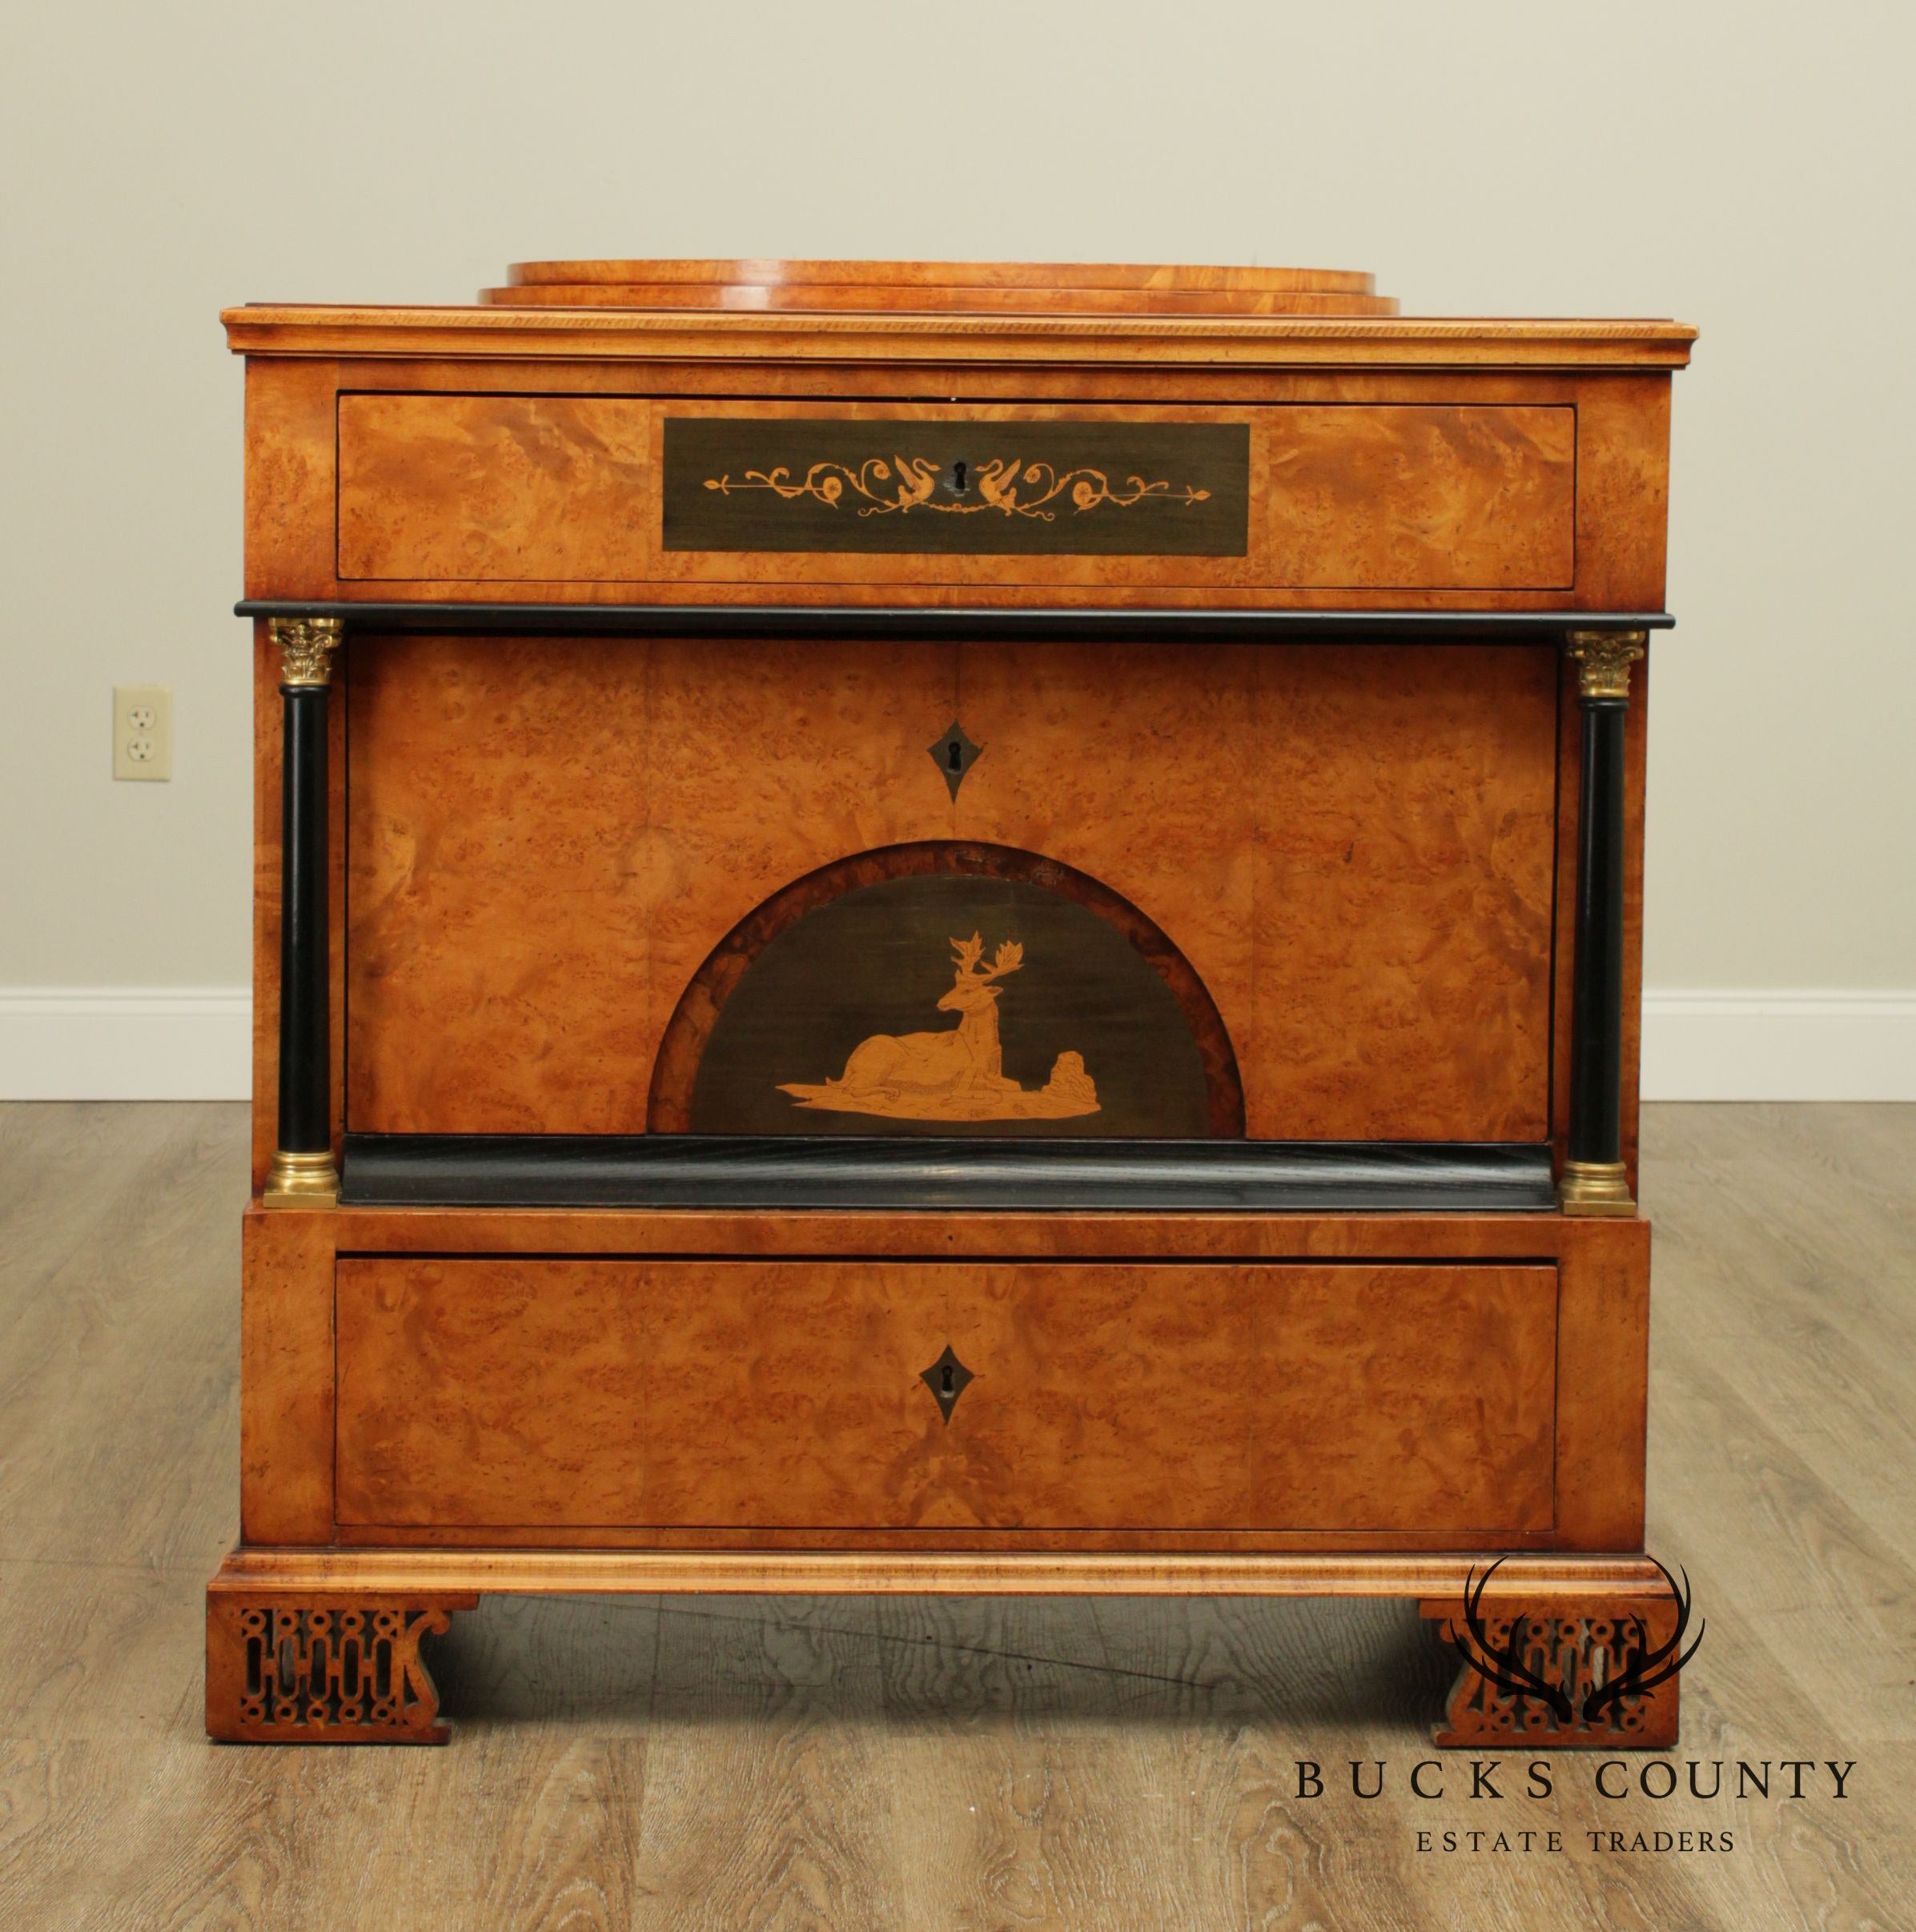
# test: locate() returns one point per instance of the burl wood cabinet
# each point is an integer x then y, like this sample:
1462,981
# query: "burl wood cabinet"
956,929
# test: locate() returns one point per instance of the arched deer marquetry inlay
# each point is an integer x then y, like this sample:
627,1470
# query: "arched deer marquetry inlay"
947,988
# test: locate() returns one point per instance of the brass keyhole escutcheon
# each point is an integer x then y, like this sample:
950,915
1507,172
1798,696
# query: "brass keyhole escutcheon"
947,1379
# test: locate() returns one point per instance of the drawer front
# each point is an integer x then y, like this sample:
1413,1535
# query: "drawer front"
657,495
493,1394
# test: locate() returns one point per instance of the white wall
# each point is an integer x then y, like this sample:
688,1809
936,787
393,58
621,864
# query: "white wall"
1743,167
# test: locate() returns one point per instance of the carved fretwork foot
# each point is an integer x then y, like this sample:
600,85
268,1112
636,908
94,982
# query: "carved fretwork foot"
323,1669
1556,1664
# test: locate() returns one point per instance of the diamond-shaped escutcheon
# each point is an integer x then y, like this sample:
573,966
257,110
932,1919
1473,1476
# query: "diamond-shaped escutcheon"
946,1379
955,754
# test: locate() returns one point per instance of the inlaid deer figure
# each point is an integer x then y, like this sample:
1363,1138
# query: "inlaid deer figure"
946,1064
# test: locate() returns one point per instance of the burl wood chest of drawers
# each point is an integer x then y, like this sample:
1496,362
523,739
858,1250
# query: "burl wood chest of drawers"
929,928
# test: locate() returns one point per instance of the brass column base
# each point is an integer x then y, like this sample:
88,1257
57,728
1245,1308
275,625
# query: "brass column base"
302,1180
1594,1188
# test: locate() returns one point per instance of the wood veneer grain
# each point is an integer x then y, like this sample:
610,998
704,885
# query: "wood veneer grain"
1355,497
1133,764
770,760
1623,458
502,886
1049,277
550,836
950,300
570,1573
1423,497
1402,880
495,489
485,1394
287,1361
267,329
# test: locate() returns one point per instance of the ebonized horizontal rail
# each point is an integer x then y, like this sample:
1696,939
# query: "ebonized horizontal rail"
837,623
840,1171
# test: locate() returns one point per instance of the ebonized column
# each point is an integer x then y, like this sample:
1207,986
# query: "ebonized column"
1594,1180
303,1173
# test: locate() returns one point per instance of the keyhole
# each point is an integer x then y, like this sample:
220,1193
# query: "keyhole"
946,1379
953,758
957,472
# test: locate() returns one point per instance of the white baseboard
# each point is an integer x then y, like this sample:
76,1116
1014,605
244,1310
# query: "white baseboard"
126,1042
196,1043
1788,1044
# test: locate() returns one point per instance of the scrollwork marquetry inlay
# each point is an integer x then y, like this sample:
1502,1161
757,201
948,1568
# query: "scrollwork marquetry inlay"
956,486
1603,660
902,484
306,646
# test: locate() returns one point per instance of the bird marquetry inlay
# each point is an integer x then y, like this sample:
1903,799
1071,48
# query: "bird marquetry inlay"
957,1074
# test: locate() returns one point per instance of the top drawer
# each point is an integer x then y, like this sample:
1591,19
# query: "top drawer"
453,489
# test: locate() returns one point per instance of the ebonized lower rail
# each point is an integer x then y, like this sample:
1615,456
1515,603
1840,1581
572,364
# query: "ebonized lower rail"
835,1171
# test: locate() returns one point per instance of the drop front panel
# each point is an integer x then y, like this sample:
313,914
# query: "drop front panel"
614,885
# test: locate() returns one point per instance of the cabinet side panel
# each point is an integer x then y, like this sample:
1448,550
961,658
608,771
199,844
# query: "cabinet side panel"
1623,457
290,468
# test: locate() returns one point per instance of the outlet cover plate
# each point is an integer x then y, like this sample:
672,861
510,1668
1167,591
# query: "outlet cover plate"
143,732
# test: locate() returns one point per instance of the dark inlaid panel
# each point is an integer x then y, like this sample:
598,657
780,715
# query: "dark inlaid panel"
952,1005
1032,489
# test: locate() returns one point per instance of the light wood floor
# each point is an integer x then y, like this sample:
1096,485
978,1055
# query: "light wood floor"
849,1763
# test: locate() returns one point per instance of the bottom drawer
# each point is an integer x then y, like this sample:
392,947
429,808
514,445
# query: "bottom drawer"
496,1394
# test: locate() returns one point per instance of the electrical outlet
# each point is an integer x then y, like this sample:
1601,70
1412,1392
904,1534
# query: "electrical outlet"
142,731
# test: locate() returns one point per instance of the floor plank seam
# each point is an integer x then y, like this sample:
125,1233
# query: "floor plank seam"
922,1643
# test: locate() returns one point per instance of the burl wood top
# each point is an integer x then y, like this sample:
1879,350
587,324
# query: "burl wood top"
997,287
1082,312
1042,282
